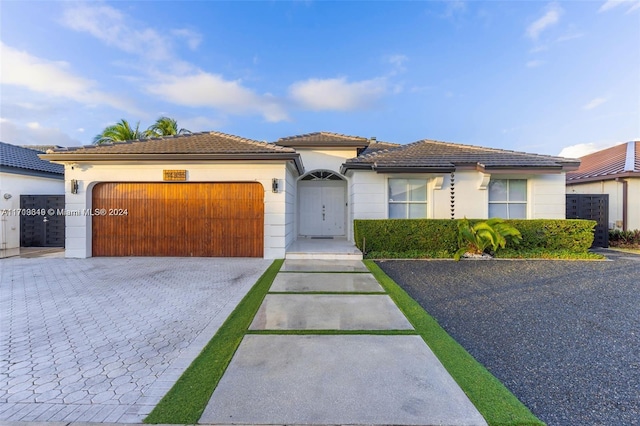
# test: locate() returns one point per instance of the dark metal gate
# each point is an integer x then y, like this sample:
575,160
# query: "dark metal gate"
591,207
38,226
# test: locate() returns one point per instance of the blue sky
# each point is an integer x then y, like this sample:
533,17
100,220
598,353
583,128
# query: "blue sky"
544,77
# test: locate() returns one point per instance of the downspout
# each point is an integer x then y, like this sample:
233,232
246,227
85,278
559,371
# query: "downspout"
625,194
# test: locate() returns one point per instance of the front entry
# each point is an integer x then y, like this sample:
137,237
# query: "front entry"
322,208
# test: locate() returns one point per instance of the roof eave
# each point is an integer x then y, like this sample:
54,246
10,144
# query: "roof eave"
601,178
93,157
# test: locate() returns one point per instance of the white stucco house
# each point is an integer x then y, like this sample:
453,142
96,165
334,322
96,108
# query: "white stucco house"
214,194
615,172
24,175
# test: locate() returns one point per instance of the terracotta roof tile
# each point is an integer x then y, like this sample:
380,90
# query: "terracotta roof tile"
435,154
26,158
194,143
607,163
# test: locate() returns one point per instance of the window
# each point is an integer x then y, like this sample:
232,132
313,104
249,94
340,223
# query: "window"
407,198
508,198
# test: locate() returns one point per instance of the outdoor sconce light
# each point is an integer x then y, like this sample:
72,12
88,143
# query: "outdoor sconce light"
7,195
74,186
274,185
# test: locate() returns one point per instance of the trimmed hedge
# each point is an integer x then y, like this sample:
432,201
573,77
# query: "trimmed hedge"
439,237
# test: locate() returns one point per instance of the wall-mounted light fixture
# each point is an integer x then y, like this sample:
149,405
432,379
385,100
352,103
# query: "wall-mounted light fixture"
74,186
7,195
274,185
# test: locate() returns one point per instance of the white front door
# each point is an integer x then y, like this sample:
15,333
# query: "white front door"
322,207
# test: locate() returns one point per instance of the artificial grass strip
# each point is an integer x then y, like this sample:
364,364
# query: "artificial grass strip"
345,293
336,332
492,399
188,398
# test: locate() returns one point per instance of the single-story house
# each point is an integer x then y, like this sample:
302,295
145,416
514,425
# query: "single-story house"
613,171
27,182
214,194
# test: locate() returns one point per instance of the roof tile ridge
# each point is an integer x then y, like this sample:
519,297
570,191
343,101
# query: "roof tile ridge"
254,142
342,135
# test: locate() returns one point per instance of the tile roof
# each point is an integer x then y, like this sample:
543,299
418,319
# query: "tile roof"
42,148
429,154
18,157
194,143
323,139
623,159
379,146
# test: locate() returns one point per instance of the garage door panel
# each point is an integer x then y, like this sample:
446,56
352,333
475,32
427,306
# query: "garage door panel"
178,219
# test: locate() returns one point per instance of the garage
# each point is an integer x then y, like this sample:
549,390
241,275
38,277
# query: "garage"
178,219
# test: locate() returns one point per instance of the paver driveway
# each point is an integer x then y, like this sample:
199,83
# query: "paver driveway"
103,339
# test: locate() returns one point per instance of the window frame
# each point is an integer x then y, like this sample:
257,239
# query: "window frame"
509,202
424,180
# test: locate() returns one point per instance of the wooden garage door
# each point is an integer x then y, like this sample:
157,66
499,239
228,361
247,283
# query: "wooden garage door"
178,219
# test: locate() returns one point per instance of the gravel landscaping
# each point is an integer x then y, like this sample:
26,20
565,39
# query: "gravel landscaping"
563,336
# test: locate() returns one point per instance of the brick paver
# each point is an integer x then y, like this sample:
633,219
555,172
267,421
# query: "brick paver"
103,339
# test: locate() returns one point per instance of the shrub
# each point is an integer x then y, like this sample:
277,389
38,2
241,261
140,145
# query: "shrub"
430,236
485,236
618,238
406,235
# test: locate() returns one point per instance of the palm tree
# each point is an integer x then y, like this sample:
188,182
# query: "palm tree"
164,126
119,132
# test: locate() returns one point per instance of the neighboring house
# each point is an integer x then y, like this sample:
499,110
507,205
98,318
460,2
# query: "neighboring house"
213,194
616,172
23,173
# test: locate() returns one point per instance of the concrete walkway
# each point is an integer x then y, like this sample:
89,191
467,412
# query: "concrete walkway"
382,375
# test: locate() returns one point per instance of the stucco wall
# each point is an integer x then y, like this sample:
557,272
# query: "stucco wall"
615,190
277,223
369,194
17,185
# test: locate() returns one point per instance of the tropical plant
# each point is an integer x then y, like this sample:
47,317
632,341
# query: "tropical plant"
164,126
483,237
119,132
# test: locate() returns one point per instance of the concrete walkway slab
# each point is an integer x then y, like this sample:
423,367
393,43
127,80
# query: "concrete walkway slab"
363,379
329,312
294,265
326,282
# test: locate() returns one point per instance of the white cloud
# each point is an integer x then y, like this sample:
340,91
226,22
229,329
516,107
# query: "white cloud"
33,125
582,149
337,93
611,4
193,38
594,103
114,29
211,90
398,61
18,134
53,78
550,18
534,63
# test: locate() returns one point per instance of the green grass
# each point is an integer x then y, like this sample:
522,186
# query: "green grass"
188,398
337,332
494,401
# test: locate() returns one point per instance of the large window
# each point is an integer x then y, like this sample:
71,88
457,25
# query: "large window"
508,198
407,198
